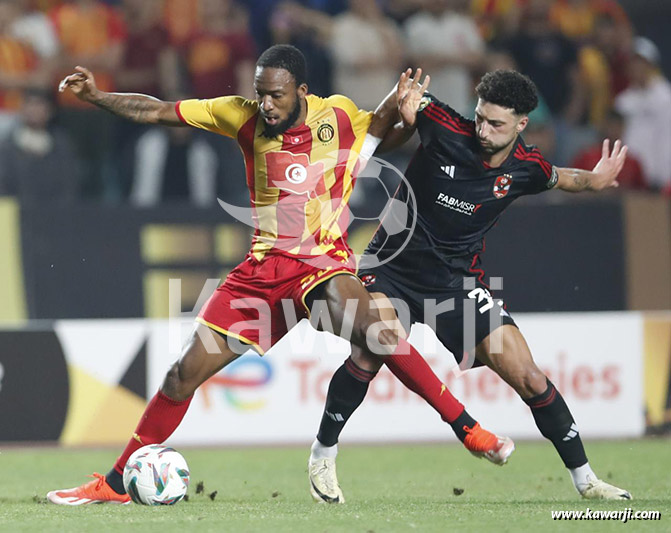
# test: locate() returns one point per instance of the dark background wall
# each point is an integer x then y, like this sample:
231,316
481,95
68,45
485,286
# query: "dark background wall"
651,19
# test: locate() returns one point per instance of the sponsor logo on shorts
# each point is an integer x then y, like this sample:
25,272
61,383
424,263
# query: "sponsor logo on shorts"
460,206
368,279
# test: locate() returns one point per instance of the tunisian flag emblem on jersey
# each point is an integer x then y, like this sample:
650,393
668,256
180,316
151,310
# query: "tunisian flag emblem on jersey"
502,185
294,173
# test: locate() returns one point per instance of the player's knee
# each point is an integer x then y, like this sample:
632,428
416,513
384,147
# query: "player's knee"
375,336
530,381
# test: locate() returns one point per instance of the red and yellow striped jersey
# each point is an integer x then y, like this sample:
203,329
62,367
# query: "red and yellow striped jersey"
299,182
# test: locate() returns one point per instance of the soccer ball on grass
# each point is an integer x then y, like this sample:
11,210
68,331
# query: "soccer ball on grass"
156,475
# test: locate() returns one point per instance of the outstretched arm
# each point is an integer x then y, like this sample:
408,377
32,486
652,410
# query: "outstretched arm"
602,176
135,107
407,95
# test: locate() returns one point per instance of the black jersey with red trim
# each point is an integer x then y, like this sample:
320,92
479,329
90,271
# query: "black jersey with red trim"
459,198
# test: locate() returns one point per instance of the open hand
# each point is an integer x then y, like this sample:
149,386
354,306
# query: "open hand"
409,94
610,165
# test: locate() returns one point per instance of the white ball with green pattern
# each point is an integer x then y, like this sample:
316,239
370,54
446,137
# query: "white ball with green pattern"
156,475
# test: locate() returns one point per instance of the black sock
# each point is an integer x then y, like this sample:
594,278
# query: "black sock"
464,419
556,424
115,481
347,390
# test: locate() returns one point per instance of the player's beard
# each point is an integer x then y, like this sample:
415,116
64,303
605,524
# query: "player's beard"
271,131
491,149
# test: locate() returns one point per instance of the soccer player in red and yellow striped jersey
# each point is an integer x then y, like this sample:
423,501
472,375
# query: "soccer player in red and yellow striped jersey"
301,154
299,180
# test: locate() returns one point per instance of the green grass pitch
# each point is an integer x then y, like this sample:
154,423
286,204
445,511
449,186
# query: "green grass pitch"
388,488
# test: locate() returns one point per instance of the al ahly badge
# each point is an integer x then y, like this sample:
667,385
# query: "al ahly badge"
502,185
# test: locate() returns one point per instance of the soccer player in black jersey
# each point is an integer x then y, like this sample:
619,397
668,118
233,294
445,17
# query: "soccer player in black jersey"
464,174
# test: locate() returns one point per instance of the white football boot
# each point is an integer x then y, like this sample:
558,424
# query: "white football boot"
600,490
324,485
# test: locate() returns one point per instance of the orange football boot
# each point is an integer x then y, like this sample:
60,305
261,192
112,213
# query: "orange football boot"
96,491
483,443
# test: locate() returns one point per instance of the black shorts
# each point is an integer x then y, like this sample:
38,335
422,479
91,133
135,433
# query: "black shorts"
461,318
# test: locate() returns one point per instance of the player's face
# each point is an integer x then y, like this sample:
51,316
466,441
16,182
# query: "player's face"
496,127
280,102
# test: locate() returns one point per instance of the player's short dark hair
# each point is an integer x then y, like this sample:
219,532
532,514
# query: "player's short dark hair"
286,57
509,89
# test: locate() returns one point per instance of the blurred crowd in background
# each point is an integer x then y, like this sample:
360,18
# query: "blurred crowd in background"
596,75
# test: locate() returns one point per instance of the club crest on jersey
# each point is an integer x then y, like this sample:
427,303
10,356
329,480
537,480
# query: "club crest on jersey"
325,133
502,185
294,173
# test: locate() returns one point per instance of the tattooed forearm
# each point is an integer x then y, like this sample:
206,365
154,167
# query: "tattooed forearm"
581,180
135,107
575,180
